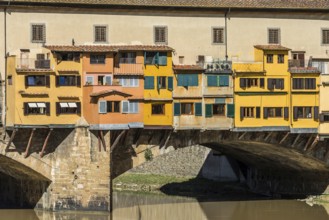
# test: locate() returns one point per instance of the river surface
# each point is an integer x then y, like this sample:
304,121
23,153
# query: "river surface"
132,206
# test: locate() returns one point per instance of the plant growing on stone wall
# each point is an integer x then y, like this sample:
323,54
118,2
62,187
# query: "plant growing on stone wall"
148,154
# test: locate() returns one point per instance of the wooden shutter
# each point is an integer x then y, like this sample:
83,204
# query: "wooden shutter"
170,83
102,106
286,112
176,109
198,109
212,80
58,108
193,80
321,116
257,112
261,82
230,110
78,81
316,112
149,82
265,112
242,83
57,81
125,107
208,110
158,83
241,113
295,113
48,81
26,108
47,108
78,107
270,85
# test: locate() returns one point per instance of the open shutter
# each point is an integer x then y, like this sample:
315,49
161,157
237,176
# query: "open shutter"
295,113
58,108
242,83
158,83
26,81
241,113
102,107
261,82
48,81
265,112
125,107
257,112
316,112
198,109
78,107
176,109
282,83
208,110
26,108
57,81
270,85
170,83
78,81
230,110
286,112
321,116
47,108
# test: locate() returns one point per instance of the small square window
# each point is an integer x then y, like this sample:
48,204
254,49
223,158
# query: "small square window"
218,109
160,35
158,109
100,34
269,58
38,33
217,35
274,36
325,36
187,108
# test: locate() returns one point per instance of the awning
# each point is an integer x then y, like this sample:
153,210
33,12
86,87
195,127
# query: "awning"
63,105
33,105
72,105
41,105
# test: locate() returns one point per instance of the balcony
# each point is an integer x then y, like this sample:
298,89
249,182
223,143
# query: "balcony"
32,64
128,66
248,67
303,66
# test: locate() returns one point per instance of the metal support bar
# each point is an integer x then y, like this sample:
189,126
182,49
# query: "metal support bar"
268,136
102,139
284,138
29,143
11,139
45,143
308,142
295,141
241,136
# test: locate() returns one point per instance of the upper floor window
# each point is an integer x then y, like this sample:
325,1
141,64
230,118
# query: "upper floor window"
251,82
109,106
269,58
164,82
89,80
274,36
158,58
275,83
127,57
68,80
187,80
272,112
247,112
69,56
100,33
218,109
68,108
217,80
302,112
37,80
36,108
325,36
161,35
104,80
129,81
304,83
97,59
280,58
38,33
187,108
217,35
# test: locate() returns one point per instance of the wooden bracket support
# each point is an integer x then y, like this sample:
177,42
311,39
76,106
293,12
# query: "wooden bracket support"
295,141
29,143
45,143
115,143
168,138
102,139
284,138
308,142
313,145
268,136
99,142
242,135
11,139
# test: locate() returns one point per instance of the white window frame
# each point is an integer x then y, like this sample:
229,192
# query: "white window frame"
92,80
99,107
43,33
104,80
156,41
212,35
106,33
122,108
133,107
129,82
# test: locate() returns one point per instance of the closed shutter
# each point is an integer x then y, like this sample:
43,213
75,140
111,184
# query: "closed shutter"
261,82
26,108
158,83
270,85
265,112
176,109
180,80
321,117
257,112
211,80
198,109
149,82
230,110
125,107
48,81
78,107
316,112
163,58
208,110
78,81
58,108
282,83
47,108
295,113
223,81
108,80
286,112
241,113
170,83
102,107
193,80
242,83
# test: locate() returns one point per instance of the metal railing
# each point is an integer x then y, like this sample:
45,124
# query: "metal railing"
27,63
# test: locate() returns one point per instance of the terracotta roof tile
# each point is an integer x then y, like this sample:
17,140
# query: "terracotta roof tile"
258,4
188,67
304,70
271,47
107,48
109,92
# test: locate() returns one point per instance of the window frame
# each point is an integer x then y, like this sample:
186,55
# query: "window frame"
280,59
59,108
269,58
220,105
183,108
157,39
106,33
269,35
43,40
46,109
221,29
163,107
87,81
97,59
323,42
126,81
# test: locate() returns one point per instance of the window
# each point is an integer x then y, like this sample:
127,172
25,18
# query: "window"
187,80
155,58
129,107
68,56
127,57
104,80
10,80
129,81
280,58
272,112
321,65
275,83
269,58
249,82
97,59
247,112
325,36
217,81
36,80
158,109
160,35
113,106
310,83
38,33
187,108
36,108
100,34
304,83
217,35
324,117
162,82
302,112
68,80
68,108
89,80
181,59
218,109
298,83
274,36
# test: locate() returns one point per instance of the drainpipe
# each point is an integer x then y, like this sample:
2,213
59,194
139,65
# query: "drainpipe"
4,107
226,15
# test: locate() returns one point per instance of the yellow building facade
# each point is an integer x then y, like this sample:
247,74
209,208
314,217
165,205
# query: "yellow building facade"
158,87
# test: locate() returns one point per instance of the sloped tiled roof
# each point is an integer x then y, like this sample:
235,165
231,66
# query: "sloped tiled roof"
188,67
109,92
271,47
257,4
107,48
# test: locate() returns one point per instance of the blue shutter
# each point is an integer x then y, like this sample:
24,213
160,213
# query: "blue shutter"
193,80
208,110
180,79
224,80
198,109
170,83
149,82
102,106
211,80
230,110
163,59
156,58
176,109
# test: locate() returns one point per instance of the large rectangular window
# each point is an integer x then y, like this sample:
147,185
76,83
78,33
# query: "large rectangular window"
325,36
37,80
273,112
218,109
158,109
280,58
249,82
104,80
97,59
187,80
129,81
247,112
274,36
304,83
113,106
302,112
217,80
217,35
36,108
127,57
68,56
273,83
100,33
68,108
161,35
38,33
155,58
68,80
310,83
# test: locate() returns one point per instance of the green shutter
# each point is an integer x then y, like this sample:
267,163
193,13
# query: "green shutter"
230,110
193,80
176,109
170,83
163,58
149,82
223,80
198,109
158,82
156,58
180,79
208,110
211,80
